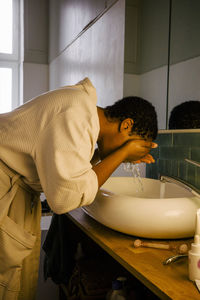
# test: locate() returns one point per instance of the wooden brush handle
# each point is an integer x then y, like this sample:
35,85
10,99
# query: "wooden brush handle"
139,243
183,248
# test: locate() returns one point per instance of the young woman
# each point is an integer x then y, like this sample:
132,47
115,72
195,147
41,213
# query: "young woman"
48,145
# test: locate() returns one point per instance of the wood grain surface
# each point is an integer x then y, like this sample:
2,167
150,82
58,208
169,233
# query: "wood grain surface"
146,264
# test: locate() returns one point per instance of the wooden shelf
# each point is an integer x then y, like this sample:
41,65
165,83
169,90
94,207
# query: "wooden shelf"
146,264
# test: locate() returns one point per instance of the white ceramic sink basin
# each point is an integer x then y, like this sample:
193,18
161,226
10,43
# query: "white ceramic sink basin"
160,211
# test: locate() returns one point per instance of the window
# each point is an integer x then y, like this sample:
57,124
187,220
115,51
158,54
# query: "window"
10,54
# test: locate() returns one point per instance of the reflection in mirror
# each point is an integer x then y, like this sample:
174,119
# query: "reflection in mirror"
185,116
184,71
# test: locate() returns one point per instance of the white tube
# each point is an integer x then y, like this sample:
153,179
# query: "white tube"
194,253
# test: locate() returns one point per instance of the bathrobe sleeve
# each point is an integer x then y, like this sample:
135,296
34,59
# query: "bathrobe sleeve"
62,157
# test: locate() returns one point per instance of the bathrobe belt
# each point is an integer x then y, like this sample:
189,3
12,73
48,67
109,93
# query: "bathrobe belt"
16,178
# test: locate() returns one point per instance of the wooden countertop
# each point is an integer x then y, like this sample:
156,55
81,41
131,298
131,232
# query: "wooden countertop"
146,264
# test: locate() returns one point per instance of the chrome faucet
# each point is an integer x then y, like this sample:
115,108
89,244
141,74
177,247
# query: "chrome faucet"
196,163
181,183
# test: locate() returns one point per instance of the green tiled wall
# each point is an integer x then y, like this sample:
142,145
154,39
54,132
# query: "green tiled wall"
170,156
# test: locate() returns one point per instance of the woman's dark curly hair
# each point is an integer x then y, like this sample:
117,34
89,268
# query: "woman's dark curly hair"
141,111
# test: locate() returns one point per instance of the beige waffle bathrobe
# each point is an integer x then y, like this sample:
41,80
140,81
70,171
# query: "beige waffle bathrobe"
45,145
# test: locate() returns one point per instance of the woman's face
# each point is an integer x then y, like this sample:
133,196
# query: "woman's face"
115,134
110,143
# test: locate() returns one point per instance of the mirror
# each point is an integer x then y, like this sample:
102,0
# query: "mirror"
184,68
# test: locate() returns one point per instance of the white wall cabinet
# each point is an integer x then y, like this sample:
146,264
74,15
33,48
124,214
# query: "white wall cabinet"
97,53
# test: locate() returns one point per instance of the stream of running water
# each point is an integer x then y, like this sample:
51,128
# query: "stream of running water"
134,169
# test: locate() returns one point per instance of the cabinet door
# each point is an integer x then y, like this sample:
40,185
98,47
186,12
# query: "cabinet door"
68,18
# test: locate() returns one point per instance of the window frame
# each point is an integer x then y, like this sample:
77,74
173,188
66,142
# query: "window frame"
14,60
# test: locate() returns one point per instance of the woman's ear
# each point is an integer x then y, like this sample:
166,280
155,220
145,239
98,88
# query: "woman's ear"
126,125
